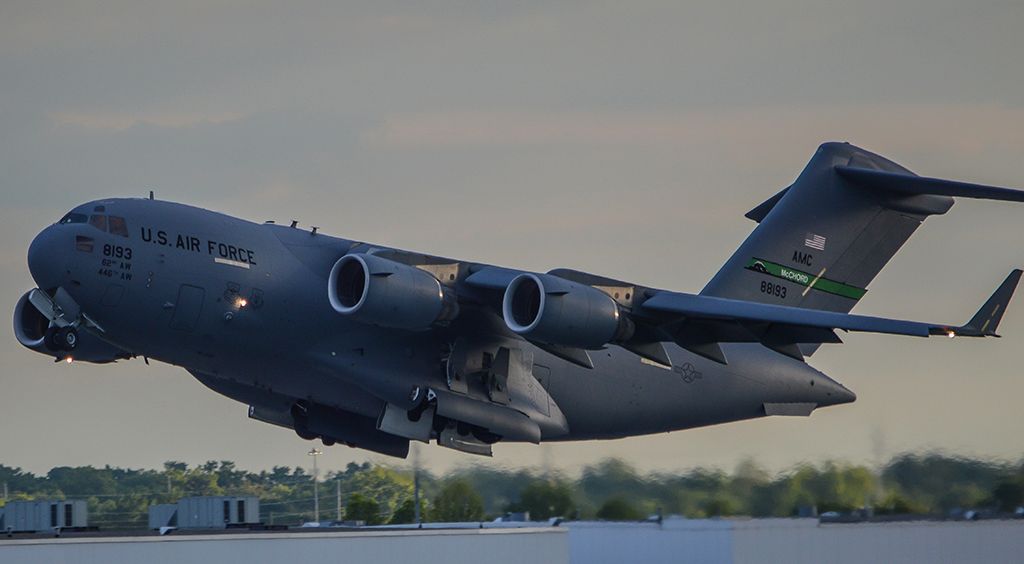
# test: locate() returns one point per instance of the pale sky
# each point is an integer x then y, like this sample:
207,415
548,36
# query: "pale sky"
622,138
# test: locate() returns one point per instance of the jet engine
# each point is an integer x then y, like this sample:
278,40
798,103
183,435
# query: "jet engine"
30,326
556,311
34,331
386,293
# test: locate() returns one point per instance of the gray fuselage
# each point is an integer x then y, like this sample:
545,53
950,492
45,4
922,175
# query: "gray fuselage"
172,289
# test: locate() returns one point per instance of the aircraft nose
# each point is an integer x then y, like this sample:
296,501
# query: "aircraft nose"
43,258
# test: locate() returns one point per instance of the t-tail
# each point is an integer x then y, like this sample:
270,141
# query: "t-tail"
820,242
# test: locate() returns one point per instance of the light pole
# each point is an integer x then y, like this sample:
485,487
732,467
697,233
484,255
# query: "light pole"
416,484
315,452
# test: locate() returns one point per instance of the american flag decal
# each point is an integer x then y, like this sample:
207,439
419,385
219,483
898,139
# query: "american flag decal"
815,241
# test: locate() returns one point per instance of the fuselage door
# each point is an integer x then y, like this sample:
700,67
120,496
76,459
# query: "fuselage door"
187,308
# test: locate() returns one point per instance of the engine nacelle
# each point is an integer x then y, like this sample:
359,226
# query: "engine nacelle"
386,293
32,327
552,310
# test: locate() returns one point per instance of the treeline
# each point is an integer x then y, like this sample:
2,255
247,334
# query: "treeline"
612,489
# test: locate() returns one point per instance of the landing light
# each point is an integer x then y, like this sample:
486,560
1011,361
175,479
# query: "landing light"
951,334
68,360
242,302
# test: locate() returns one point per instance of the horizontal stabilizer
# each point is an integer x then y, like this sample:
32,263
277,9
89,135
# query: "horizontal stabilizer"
920,185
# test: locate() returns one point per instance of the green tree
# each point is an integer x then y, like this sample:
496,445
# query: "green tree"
387,486
1008,496
618,509
897,504
406,513
199,481
458,501
544,500
362,508
82,481
721,505
940,482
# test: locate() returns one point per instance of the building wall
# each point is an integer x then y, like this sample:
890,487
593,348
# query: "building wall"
796,541
207,512
805,541
162,515
494,546
680,541
43,515
684,541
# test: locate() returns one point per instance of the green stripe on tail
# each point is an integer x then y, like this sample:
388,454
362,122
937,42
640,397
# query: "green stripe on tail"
805,279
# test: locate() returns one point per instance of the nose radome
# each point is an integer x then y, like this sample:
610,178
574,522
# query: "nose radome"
44,259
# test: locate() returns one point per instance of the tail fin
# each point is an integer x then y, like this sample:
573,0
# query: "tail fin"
822,240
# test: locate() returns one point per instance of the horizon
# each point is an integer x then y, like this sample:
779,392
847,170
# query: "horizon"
407,466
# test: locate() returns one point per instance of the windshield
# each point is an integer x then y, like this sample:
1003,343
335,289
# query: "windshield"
73,217
113,224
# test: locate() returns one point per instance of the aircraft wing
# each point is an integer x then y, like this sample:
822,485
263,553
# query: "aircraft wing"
492,277
701,322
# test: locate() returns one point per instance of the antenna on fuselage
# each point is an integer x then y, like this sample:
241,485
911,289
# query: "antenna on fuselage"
150,194
295,223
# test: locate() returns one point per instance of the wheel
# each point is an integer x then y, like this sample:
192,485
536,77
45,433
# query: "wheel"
485,436
67,338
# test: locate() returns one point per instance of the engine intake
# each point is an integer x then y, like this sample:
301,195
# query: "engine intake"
552,310
386,293
30,325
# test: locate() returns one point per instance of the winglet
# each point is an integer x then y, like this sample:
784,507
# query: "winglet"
985,322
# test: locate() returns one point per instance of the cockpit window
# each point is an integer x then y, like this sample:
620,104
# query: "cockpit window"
98,221
118,226
73,217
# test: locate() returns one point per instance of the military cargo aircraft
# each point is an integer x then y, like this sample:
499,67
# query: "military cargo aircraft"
355,343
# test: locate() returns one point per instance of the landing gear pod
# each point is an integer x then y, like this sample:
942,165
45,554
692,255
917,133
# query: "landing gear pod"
386,293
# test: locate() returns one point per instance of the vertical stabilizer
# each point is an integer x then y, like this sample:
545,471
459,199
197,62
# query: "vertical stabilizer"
820,242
